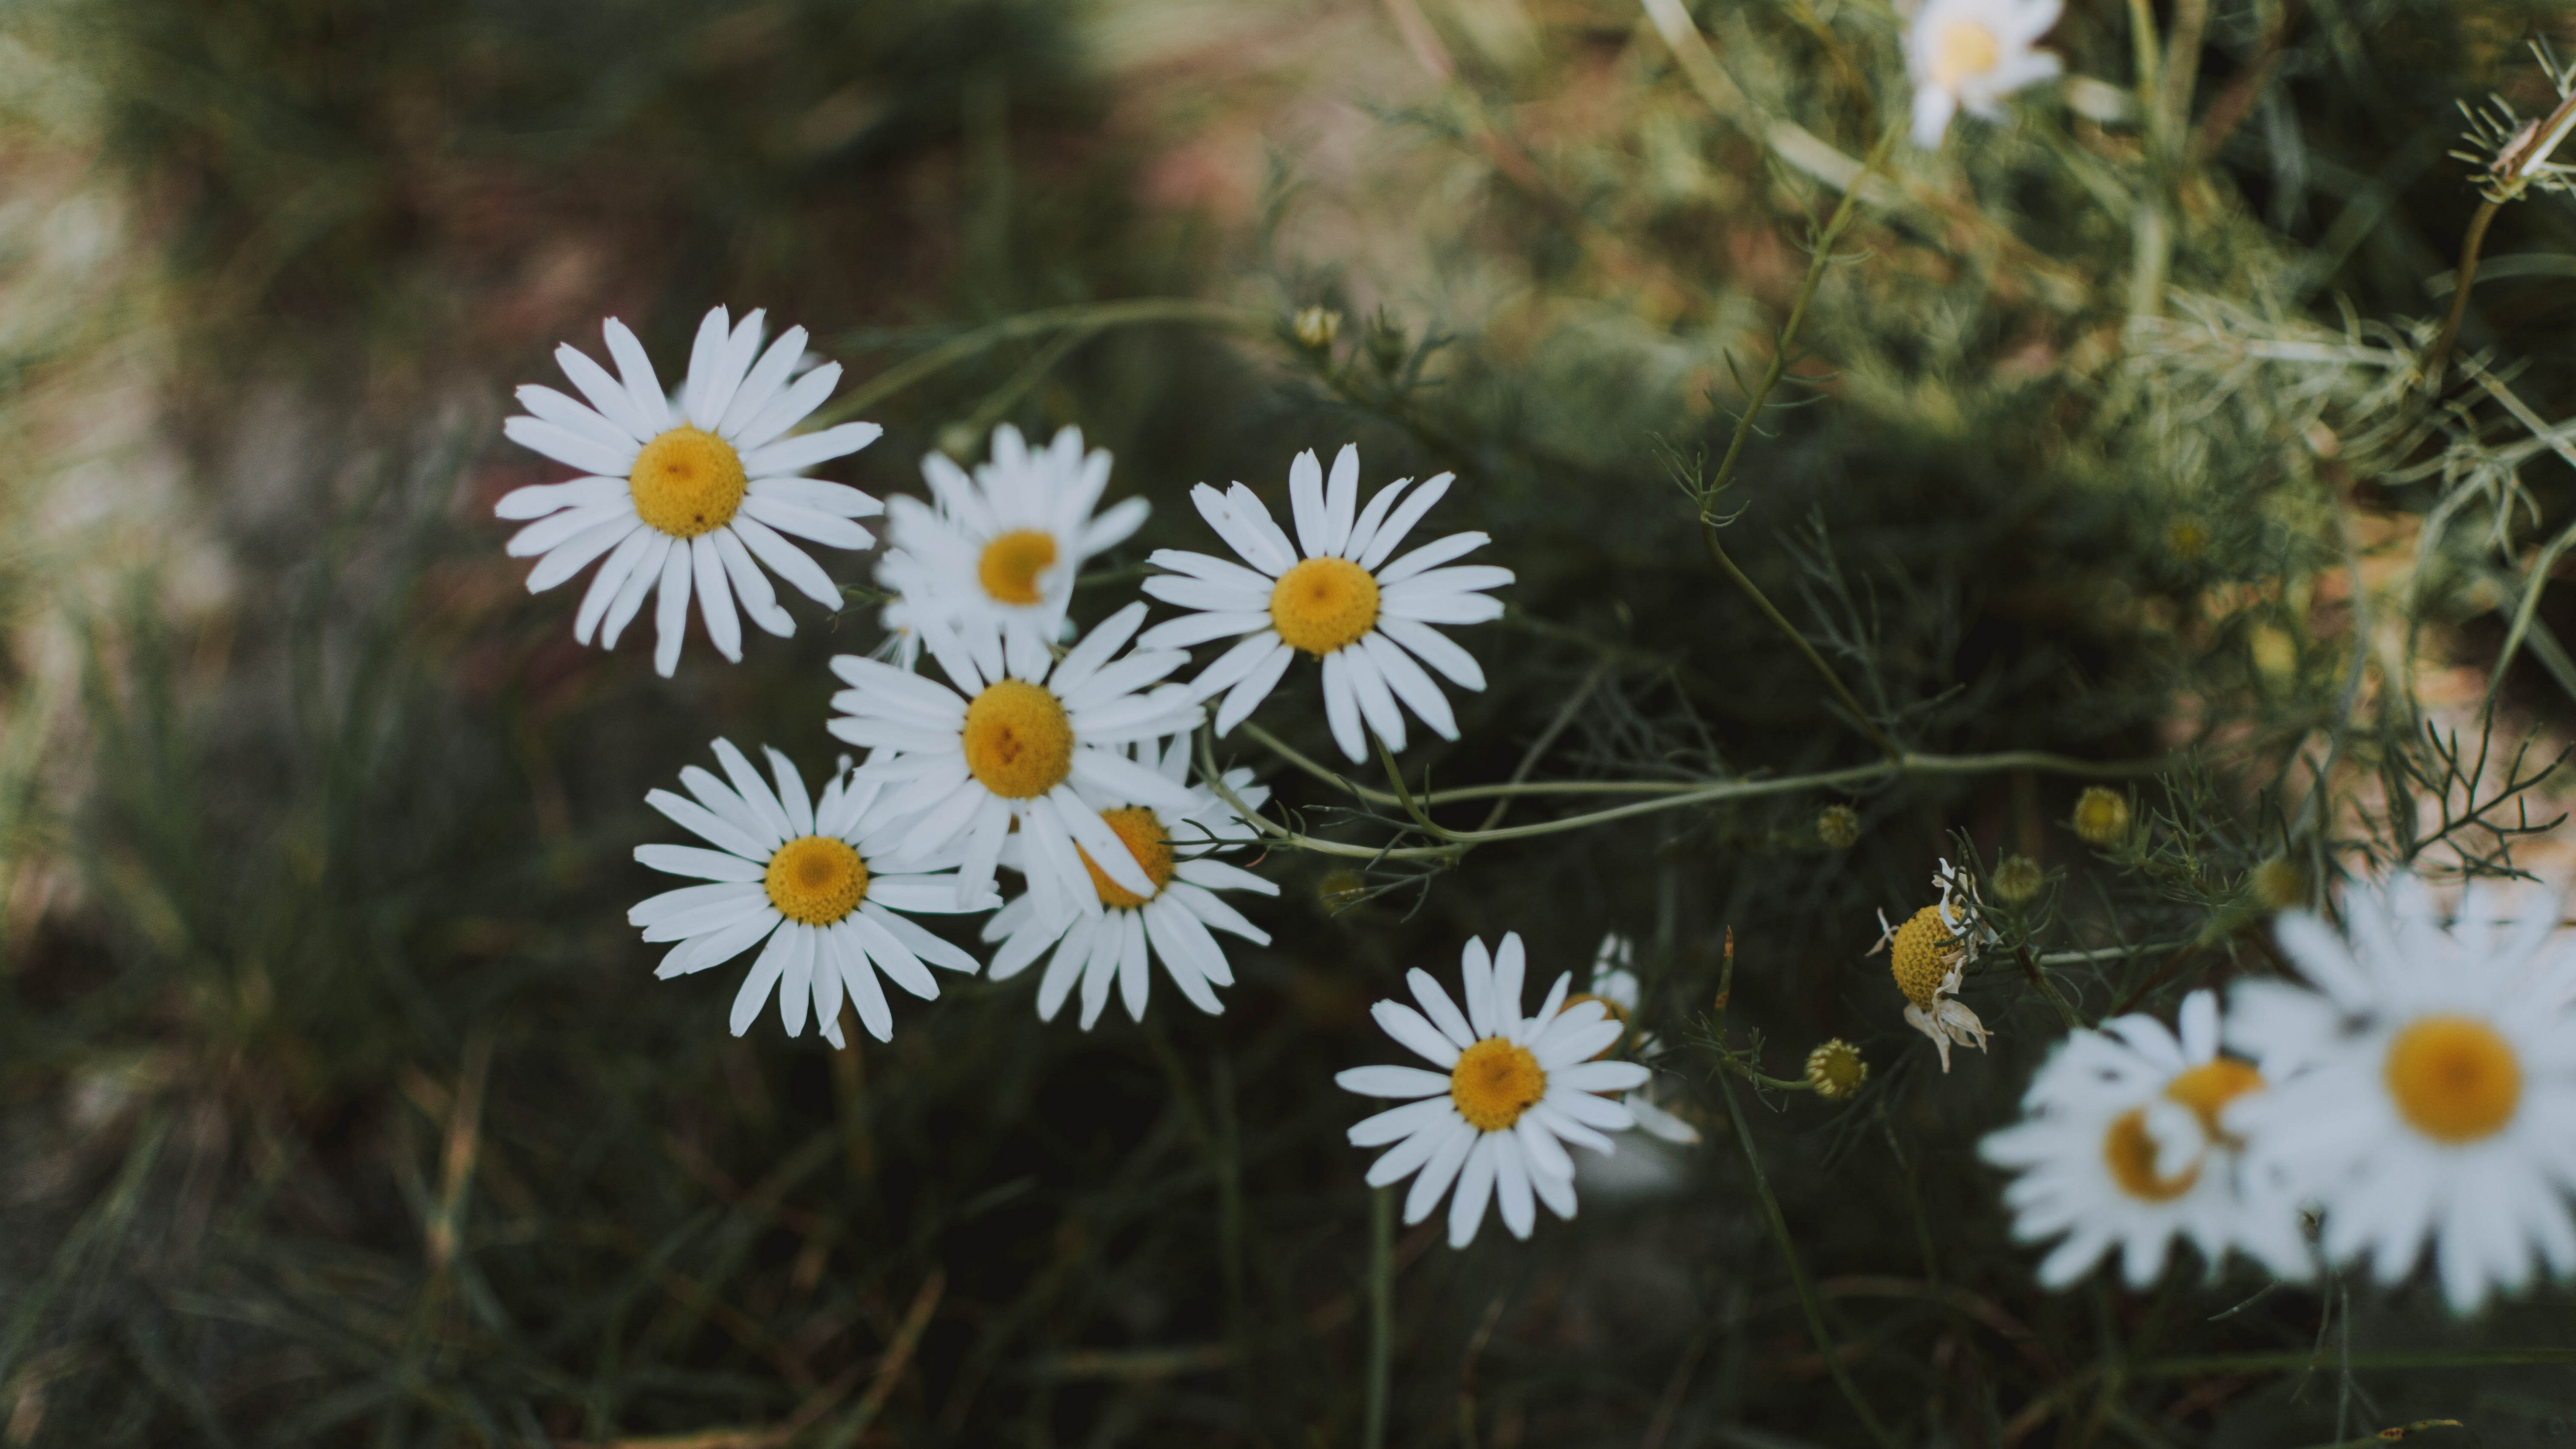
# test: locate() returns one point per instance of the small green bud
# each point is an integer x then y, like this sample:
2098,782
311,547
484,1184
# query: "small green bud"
1838,826
2102,816
2018,878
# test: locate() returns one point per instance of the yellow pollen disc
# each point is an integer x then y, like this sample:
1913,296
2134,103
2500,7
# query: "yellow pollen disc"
2131,1155
687,482
2455,1079
1012,562
1018,742
816,879
1143,836
1495,1081
1323,604
1963,51
2208,1088
1925,950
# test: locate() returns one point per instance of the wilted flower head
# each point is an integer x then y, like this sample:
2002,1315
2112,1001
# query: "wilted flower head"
2514,153
1929,955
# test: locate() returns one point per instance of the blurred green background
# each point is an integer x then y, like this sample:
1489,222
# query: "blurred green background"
338,1104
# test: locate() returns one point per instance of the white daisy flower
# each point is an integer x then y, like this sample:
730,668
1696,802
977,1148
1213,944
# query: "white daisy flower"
2425,1090
2121,1146
687,493
1510,1091
1011,742
1365,618
1175,849
1972,54
999,551
823,881
1929,956
1615,986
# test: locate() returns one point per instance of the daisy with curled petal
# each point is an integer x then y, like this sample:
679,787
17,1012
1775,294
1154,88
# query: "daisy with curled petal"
1511,1090
686,495
999,550
2426,1090
1366,618
1175,848
2121,1146
821,880
1615,986
1972,54
1011,743
1929,956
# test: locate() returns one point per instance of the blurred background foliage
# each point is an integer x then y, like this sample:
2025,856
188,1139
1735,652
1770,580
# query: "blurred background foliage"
339,1105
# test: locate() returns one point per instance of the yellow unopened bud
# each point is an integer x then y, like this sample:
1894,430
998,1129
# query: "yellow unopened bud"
1316,327
2102,816
1836,1070
1838,826
2280,883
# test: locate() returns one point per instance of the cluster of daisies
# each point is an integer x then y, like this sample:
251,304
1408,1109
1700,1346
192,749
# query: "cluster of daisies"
1059,756
2420,1092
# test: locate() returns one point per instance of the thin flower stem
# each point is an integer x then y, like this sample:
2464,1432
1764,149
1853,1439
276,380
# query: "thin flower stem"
1381,1314
2039,980
2440,353
1781,354
1807,1299
1080,317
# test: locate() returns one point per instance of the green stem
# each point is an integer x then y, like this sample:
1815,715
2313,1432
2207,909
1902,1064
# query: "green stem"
1381,1314
1781,354
1807,1299
1083,316
2440,354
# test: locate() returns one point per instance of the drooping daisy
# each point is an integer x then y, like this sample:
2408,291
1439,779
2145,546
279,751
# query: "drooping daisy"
1511,1090
1930,954
1972,54
823,881
2426,1090
1342,602
688,495
999,550
1010,743
1176,849
1614,985
2121,1146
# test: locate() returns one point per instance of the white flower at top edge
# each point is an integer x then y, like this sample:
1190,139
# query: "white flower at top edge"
2426,1090
1366,618
1614,984
1929,956
822,880
1971,54
687,495
1510,1092
2120,1146
999,550
1175,848
1010,742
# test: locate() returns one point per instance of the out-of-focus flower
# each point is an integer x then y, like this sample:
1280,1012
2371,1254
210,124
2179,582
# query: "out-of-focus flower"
1367,619
1970,54
1174,846
1838,826
1614,984
996,553
2101,816
1511,1091
823,881
685,494
2121,1146
1009,745
2426,1090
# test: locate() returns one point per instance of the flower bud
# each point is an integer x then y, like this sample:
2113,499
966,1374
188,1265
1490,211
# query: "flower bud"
2102,816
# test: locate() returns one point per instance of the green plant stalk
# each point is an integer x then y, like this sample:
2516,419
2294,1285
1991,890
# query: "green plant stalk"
1082,316
1807,1299
2439,354
1781,353
1381,1314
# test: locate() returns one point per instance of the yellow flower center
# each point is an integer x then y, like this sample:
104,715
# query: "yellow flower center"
687,482
1962,51
1925,950
1495,1081
1323,604
816,879
1018,742
1142,834
2131,1154
1012,562
2208,1088
2455,1079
